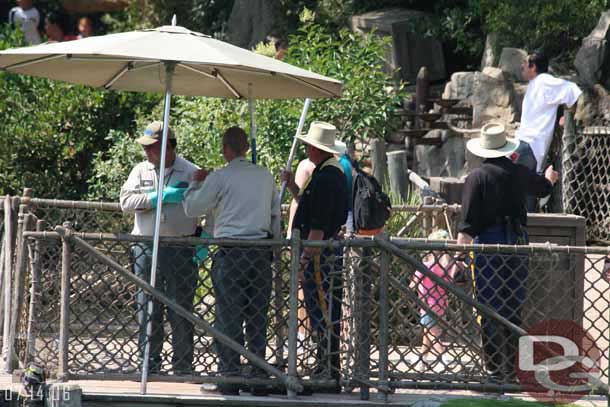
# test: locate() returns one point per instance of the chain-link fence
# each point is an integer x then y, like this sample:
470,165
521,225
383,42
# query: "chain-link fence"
586,178
373,317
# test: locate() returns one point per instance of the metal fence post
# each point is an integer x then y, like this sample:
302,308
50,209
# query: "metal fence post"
34,297
19,280
8,276
568,150
64,313
278,301
384,269
293,322
362,319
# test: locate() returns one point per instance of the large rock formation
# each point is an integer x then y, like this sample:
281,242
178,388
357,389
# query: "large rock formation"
250,22
592,58
511,60
410,50
490,57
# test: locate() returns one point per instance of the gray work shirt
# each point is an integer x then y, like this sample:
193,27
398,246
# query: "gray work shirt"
242,198
144,179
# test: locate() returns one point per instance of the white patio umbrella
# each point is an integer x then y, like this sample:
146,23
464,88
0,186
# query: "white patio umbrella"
173,60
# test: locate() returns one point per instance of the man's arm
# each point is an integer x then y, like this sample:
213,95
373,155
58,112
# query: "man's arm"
201,197
132,198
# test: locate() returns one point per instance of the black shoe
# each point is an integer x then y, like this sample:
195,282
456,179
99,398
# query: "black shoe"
228,390
307,391
259,391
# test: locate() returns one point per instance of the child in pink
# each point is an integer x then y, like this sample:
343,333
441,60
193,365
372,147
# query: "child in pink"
435,297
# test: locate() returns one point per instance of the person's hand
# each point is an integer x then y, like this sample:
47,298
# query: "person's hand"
287,177
173,195
201,251
200,175
551,174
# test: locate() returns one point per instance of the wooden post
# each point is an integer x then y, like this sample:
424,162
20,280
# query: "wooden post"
397,171
422,88
378,160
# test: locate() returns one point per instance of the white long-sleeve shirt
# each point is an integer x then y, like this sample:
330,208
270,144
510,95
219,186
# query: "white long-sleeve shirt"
28,21
539,111
143,179
242,199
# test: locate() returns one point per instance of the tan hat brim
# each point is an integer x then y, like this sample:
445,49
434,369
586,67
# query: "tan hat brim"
336,149
147,140
475,148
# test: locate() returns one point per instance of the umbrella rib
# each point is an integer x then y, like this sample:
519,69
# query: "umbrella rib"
33,61
118,75
130,67
188,68
311,85
227,84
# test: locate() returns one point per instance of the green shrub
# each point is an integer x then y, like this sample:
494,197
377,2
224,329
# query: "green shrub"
555,26
51,130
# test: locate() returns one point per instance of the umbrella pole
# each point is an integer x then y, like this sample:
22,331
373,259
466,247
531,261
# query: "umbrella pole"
295,143
169,73
252,123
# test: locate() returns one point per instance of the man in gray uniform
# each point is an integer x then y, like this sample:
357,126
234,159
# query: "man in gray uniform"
244,204
176,272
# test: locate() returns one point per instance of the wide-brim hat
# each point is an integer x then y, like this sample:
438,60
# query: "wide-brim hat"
323,135
154,133
492,143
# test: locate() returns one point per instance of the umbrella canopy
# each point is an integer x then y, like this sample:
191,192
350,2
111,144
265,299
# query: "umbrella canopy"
135,61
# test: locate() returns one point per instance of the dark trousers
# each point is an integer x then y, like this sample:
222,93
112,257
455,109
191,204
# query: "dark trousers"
242,284
325,319
177,278
500,284
527,159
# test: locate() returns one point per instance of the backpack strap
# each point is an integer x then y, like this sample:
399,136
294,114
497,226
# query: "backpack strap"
331,162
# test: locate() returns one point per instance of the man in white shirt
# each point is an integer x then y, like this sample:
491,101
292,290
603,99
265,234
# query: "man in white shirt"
244,204
539,112
27,18
177,273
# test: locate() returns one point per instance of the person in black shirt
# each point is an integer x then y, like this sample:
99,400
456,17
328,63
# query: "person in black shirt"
494,211
322,210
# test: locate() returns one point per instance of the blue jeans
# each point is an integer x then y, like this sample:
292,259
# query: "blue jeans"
500,284
527,159
177,278
331,287
242,280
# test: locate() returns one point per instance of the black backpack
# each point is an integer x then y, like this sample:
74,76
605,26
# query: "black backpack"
371,205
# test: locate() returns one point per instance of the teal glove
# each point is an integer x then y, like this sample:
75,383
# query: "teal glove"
201,252
171,195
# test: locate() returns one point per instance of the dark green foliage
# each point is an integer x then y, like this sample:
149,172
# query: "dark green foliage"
206,16
555,26
51,130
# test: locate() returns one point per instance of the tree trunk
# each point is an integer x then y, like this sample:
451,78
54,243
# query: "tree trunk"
251,21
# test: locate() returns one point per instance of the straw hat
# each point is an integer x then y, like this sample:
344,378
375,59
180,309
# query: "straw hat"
322,136
493,142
